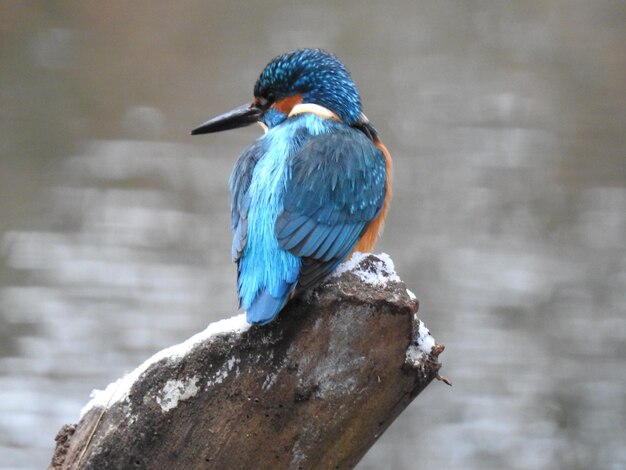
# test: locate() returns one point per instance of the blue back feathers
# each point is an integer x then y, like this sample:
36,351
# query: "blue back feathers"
304,193
337,188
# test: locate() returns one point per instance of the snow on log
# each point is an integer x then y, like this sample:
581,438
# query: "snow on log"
312,390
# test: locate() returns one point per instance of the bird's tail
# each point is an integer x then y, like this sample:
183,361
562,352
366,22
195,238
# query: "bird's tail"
265,307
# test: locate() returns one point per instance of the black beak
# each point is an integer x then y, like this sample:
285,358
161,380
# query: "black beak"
240,117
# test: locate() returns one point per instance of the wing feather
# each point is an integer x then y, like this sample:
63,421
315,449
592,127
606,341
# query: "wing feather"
240,180
336,188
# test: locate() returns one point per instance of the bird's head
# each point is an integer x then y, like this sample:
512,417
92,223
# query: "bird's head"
305,76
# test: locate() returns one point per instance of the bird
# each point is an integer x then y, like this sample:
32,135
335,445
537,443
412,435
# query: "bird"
313,189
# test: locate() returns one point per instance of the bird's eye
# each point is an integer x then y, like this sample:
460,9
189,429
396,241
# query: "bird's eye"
271,97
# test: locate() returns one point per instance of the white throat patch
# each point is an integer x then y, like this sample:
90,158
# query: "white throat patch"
316,109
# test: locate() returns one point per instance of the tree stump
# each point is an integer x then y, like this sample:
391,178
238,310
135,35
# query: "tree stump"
312,390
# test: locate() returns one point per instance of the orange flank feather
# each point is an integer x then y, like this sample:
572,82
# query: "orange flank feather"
285,105
368,240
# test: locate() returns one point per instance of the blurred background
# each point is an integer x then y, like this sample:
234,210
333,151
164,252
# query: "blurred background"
507,123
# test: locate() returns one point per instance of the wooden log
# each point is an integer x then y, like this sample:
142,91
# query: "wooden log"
312,390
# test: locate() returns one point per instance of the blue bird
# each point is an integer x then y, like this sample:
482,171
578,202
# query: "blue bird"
312,190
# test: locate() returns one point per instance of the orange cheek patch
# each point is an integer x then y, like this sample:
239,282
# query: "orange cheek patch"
286,104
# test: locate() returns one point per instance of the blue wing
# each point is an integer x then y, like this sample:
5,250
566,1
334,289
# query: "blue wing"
337,187
240,180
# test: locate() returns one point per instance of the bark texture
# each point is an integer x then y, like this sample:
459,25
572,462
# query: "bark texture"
312,390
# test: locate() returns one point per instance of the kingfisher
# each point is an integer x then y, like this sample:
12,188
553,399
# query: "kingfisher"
309,192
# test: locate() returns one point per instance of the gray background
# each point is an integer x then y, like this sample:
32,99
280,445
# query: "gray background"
506,121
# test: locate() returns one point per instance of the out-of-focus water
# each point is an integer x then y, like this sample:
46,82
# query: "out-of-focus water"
507,123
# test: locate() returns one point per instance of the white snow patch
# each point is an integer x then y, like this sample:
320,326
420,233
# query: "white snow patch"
118,390
221,374
269,381
382,271
411,295
297,456
177,390
218,379
423,345
425,341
